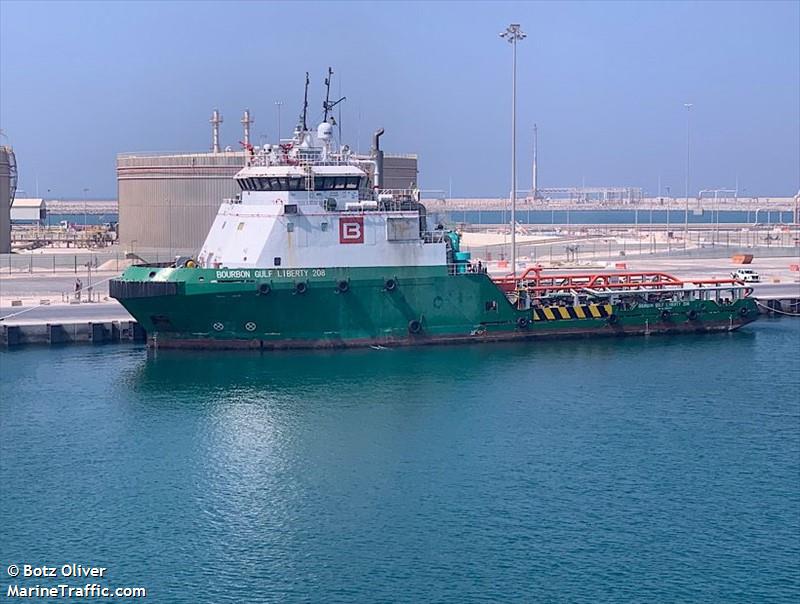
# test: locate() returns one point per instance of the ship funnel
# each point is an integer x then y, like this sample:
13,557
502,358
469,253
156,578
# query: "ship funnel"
246,121
216,120
378,154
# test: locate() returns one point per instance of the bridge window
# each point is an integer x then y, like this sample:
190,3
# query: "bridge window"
328,183
321,183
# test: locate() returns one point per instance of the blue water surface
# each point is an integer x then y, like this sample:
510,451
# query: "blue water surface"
661,469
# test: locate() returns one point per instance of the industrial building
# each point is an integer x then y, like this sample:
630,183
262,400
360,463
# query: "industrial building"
168,200
28,210
8,186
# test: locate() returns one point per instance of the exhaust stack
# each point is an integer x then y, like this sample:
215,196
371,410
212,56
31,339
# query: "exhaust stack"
246,121
216,120
378,155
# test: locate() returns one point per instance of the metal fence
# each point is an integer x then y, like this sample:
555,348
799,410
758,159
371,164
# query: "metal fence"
115,260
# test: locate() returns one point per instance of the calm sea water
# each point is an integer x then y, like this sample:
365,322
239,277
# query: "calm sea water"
646,470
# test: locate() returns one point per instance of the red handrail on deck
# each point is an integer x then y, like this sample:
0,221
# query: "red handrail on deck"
534,280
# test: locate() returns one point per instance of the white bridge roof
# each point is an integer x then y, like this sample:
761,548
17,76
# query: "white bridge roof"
299,171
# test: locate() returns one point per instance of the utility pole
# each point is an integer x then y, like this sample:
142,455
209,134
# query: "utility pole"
278,105
512,35
686,214
535,183
85,192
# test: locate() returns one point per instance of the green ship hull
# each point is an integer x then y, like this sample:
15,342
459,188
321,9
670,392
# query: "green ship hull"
387,306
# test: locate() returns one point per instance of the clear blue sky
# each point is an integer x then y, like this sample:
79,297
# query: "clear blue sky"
605,81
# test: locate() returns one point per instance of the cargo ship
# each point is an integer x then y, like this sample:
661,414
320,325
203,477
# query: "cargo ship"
313,253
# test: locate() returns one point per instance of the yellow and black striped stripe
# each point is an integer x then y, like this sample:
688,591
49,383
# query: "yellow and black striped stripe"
584,311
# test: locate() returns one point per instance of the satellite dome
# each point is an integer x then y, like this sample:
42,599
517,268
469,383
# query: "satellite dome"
324,131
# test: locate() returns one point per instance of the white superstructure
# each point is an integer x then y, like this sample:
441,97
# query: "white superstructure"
303,204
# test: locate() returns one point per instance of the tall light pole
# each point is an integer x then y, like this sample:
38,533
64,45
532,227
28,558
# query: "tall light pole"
512,35
278,105
85,192
686,216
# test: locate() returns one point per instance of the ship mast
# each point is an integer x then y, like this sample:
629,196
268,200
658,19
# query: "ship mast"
305,105
328,105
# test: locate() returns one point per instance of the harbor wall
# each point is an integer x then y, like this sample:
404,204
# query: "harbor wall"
91,332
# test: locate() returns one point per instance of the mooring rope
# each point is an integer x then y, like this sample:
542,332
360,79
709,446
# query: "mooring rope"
22,312
780,312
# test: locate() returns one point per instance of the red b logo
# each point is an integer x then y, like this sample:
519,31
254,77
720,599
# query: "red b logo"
351,230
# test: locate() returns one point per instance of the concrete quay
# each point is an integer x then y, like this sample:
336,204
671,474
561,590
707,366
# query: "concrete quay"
91,332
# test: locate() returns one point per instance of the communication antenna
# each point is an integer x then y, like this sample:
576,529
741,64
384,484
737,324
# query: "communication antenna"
328,105
305,105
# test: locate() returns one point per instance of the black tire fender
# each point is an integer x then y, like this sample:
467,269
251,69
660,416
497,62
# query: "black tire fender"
414,326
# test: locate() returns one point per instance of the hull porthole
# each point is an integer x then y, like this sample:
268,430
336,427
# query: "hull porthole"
343,286
390,285
300,288
522,323
264,289
414,326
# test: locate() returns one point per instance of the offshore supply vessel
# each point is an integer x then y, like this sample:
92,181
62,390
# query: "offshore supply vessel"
314,253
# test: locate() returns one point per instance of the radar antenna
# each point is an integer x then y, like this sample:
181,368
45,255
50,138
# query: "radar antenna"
328,105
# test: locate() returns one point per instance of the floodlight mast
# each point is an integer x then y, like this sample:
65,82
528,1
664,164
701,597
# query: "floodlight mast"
513,34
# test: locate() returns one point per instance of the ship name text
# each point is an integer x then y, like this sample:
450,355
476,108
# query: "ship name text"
270,273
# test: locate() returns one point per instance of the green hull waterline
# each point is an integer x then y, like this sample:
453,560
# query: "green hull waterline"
341,307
